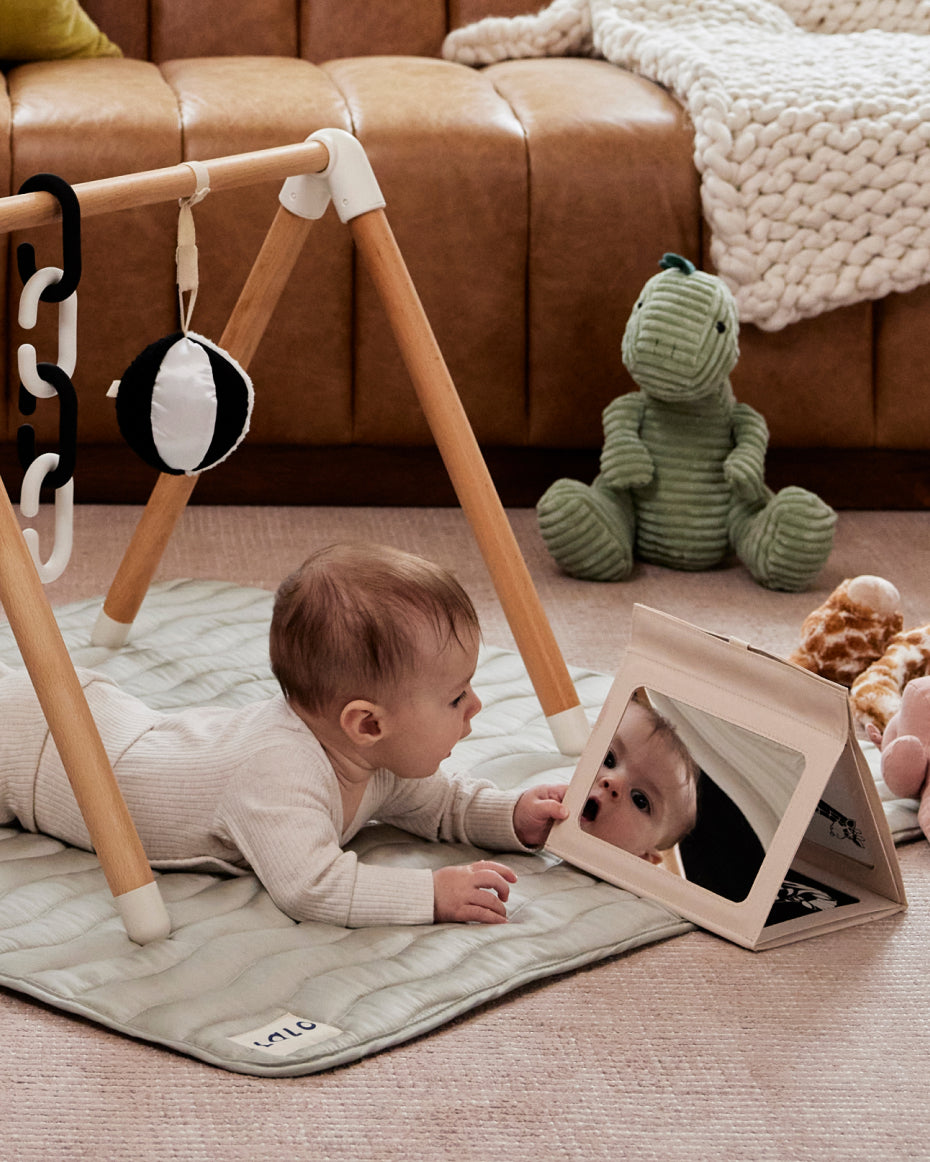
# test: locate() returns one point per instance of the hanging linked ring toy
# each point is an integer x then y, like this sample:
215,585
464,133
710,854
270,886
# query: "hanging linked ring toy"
69,278
183,405
50,284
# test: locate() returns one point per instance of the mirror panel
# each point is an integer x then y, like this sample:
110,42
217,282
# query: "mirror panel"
688,791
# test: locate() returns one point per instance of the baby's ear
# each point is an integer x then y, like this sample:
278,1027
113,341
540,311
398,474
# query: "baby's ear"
362,722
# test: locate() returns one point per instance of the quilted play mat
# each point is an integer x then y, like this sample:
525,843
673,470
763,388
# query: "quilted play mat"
240,985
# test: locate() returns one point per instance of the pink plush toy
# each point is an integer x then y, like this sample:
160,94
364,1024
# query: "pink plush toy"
905,746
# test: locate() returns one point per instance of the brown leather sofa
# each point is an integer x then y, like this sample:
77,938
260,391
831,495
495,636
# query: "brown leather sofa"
531,200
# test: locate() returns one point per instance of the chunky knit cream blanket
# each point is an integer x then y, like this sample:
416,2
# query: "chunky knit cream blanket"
812,131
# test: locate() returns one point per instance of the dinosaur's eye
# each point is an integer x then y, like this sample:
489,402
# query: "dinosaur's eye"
721,326
639,304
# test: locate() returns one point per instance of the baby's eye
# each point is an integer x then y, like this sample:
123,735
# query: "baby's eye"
458,701
610,760
641,802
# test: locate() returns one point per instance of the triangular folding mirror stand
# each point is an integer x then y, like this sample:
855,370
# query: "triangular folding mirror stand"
776,830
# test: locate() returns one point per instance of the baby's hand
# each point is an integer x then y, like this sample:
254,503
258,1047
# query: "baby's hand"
474,891
535,811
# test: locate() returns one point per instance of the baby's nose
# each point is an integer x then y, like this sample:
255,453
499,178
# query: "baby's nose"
471,709
609,785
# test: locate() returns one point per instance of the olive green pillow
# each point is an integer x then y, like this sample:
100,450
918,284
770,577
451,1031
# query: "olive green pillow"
40,30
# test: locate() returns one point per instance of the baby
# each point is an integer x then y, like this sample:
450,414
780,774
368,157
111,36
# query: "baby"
374,651
644,797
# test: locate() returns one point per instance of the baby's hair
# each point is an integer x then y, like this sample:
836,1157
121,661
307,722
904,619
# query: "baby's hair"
347,623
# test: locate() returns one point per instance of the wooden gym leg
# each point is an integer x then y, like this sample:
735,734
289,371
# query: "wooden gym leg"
263,288
472,481
74,731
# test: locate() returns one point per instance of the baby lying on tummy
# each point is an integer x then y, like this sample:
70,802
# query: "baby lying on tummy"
374,651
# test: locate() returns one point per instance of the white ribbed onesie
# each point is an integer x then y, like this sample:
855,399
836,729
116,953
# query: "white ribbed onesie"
233,789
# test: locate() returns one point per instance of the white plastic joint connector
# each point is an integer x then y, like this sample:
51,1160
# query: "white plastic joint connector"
348,181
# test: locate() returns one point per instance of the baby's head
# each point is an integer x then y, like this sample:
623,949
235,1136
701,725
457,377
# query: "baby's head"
644,797
360,621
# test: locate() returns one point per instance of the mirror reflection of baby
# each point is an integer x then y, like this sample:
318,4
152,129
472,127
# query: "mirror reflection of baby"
644,798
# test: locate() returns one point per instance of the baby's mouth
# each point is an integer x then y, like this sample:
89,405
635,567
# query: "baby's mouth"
590,810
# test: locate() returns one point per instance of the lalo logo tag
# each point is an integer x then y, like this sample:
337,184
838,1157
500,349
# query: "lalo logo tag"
288,1034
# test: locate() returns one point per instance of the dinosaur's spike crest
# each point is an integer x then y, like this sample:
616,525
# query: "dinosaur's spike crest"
675,261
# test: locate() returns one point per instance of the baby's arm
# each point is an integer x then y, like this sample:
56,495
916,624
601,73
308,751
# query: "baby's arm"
284,818
453,809
461,810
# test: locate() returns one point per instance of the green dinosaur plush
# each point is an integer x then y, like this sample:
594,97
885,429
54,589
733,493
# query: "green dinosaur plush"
682,467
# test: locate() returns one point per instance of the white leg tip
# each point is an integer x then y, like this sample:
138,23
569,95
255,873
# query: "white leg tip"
144,914
109,633
570,729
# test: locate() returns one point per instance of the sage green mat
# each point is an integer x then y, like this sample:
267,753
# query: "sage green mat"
240,985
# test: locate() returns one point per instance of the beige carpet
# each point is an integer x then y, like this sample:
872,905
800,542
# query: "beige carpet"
693,1049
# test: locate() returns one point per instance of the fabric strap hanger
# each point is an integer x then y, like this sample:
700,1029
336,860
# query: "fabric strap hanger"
186,255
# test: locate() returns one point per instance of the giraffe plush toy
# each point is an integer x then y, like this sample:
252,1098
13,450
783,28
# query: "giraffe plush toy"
851,629
682,465
877,693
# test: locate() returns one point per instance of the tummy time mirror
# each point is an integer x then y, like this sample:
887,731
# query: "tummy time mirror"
728,784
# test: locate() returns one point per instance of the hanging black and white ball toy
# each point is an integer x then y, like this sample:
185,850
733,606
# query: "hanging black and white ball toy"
184,404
